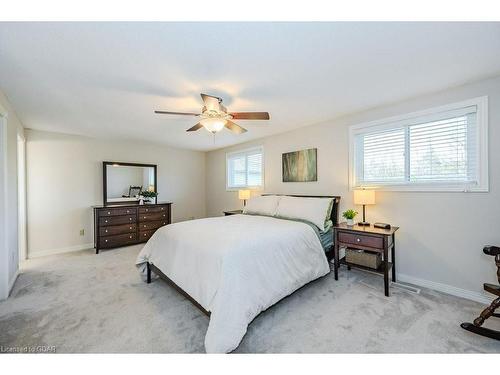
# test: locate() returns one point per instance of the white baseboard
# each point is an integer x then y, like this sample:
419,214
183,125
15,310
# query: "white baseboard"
43,253
12,281
445,288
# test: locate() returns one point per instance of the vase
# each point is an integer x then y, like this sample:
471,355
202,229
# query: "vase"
350,222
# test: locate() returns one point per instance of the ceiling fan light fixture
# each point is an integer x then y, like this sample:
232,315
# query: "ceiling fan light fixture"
213,125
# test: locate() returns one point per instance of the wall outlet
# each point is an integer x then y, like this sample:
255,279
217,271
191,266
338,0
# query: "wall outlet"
82,232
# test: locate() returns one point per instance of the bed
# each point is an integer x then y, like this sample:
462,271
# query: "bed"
234,267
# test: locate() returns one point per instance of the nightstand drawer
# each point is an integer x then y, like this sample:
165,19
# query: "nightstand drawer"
361,239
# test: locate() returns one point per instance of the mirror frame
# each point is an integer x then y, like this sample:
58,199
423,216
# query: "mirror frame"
105,180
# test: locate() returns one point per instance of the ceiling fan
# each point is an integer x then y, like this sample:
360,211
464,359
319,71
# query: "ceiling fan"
215,117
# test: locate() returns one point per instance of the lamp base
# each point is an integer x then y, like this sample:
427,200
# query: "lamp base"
364,224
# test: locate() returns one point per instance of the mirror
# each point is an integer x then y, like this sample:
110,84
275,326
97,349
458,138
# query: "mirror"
124,182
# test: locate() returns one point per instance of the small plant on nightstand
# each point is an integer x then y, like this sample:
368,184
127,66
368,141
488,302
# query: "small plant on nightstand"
349,215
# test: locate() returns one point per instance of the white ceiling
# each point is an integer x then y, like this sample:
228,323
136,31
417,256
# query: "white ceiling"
105,79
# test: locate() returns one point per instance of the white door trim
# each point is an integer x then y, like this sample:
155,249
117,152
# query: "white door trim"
4,264
21,197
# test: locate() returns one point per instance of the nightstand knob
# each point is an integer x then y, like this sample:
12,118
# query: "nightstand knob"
106,231
358,239
109,213
130,218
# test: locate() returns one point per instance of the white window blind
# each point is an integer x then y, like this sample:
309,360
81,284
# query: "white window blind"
245,168
443,148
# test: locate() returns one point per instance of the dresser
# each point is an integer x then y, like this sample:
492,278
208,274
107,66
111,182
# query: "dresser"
122,225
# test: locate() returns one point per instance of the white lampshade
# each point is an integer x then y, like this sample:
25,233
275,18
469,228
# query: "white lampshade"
244,194
364,197
213,125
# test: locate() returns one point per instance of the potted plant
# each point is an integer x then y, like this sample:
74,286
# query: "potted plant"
349,215
147,195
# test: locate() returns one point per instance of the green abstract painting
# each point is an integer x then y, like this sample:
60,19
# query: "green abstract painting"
300,166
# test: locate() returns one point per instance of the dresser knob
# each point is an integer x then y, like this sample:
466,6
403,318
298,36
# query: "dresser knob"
147,210
144,217
144,234
105,240
130,228
105,221
162,208
144,226
106,231
130,237
163,215
109,213
358,239
130,218
128,211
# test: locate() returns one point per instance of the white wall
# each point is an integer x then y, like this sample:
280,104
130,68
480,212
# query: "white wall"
441,235
64,179
9,255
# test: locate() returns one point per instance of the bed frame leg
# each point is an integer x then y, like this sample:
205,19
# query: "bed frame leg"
148,273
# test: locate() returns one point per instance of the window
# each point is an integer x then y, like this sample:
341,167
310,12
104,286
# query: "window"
245,169
442,149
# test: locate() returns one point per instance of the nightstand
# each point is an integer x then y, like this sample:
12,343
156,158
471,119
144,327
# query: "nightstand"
234,212
370,239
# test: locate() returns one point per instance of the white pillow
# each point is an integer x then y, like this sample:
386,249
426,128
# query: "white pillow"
313,210
262,205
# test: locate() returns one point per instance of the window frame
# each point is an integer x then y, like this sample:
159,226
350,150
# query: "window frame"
394,122
245,151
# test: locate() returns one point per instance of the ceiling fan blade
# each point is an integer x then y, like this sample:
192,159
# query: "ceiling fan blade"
194,128
177,113
235,128
250,115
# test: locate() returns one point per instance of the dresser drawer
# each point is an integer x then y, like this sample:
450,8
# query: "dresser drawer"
117,211
118,240
145,235
361,239
153,216
117,220
117,229
153,209
149,225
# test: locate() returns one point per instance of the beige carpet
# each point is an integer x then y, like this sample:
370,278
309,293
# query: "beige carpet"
82,302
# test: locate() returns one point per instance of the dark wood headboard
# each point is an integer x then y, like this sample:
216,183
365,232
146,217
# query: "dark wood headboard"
334,217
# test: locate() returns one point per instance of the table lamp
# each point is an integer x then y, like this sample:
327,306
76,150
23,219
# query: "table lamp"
364,197
244,195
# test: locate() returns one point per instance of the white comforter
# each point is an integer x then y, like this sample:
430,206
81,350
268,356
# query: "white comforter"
235,267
